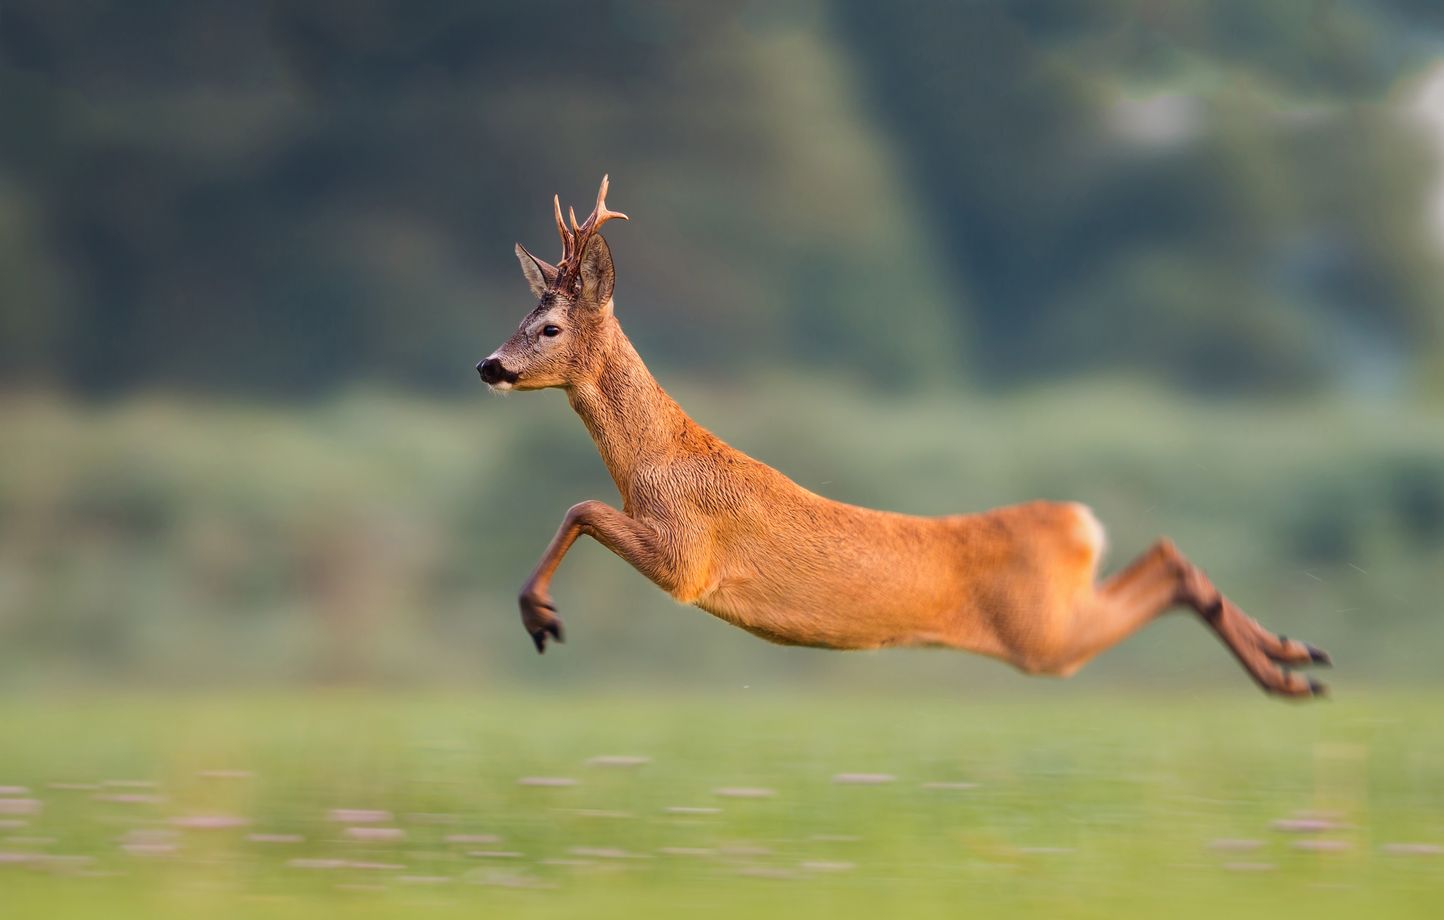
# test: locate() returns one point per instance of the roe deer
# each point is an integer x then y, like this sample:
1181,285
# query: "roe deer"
713,527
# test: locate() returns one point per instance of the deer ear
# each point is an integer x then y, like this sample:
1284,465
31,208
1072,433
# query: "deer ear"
598,276
539,274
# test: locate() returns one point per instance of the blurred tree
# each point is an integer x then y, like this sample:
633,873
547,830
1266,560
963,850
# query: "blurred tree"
282,197
1204,189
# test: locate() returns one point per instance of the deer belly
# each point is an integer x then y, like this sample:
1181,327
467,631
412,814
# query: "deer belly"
852,613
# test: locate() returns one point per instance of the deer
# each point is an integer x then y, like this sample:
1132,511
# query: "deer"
719,530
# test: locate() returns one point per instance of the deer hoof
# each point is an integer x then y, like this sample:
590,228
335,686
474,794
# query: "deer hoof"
1297,654
1293,686
539,616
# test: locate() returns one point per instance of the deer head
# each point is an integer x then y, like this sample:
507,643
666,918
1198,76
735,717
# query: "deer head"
561,339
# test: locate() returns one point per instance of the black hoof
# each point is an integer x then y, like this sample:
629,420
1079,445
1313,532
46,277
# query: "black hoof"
539,638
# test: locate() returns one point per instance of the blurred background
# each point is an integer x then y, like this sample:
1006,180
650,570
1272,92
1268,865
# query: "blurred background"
1179,259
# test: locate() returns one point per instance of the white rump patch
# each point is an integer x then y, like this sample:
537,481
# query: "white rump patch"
1091,531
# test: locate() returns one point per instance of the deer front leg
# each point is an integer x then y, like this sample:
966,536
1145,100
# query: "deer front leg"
629,538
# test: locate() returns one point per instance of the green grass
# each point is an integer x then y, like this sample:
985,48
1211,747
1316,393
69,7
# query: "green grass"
1084,806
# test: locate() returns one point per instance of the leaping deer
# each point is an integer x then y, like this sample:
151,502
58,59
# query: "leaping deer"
715,528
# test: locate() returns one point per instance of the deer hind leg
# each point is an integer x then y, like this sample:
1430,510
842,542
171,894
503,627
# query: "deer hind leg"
1163,578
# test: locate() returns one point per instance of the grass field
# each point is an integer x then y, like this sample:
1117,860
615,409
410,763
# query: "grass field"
1051,805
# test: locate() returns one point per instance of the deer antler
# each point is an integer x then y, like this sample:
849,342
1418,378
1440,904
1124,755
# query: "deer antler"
575,239
562,228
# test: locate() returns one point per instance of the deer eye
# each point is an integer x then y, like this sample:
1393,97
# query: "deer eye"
549,330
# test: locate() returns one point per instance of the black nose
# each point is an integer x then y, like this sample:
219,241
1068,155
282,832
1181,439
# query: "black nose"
490,371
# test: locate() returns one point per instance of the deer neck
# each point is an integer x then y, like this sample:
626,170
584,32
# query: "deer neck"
630,417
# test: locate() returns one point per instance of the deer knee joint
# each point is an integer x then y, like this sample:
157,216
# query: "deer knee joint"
1194,587
582,512
1166,550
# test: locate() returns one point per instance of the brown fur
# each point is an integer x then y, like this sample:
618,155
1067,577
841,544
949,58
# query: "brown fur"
715,528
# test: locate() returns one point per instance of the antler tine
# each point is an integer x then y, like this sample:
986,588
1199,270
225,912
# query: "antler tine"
600,215
562,227
605,215
575,239
600,212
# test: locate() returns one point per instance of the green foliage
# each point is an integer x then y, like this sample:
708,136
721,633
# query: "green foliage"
288,198
371,539
1209,189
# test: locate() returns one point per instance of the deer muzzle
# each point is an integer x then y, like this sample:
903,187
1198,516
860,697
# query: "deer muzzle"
493,373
